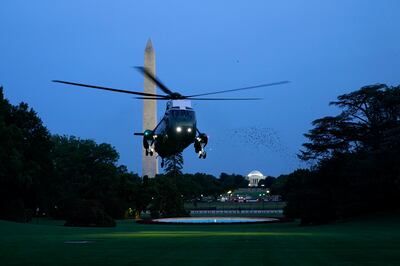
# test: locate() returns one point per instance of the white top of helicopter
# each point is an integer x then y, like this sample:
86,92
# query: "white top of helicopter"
179,104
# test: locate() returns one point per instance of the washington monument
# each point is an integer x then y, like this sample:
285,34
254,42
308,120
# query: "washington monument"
149,163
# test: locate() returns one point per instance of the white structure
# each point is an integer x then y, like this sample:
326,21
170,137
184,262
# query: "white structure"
254,177
149,163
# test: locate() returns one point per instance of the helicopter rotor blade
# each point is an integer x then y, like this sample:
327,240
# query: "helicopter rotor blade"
224,99
109,89
152,98
239,89
201,99
150,75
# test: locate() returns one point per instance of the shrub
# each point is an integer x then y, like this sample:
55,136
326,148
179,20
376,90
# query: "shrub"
88,213
14,210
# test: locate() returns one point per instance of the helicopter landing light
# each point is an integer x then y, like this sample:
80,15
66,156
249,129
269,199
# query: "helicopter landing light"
189,130
178,129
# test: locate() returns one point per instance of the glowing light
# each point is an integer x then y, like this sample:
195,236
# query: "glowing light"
178,129
189,129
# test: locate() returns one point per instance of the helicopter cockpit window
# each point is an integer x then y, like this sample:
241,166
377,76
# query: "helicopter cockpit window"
182,114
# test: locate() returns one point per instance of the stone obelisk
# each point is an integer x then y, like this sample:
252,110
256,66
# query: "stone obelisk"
149,163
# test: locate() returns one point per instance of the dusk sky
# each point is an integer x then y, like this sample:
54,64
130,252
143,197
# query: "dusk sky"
325,48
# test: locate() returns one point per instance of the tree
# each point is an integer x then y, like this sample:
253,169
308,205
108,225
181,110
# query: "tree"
366,114
188,187
167,201
232,182
125,194
83,168
143,195
308,198
355,156
174,165
278,186
267,182
209,184
86,170
88,213
25,164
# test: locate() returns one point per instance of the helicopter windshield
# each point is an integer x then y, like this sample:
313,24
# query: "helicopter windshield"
182,115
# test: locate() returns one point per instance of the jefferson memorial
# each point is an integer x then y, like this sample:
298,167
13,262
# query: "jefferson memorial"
254,177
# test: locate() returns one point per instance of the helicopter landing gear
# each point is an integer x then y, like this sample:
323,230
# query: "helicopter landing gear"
149,152
199,144
147,145
202,154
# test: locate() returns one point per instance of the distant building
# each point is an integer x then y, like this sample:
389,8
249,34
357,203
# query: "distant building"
254,177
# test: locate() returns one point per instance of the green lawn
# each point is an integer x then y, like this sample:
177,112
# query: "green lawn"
371,241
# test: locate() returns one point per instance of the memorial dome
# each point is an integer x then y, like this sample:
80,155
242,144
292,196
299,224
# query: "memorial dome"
254,177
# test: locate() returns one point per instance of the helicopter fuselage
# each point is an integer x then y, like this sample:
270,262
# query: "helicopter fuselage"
176,130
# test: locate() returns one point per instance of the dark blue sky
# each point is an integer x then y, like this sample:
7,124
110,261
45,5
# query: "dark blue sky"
325,48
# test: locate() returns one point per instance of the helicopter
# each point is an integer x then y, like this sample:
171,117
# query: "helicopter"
177,129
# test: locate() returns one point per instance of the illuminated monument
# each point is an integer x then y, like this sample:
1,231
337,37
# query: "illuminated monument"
149,163
254,177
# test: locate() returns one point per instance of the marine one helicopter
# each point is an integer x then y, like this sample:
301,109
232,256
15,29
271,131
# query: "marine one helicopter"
178,127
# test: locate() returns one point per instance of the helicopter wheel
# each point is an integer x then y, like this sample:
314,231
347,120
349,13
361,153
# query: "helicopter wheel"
204,155
151,153
147,152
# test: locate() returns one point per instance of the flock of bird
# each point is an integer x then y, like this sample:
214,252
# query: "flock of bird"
258,139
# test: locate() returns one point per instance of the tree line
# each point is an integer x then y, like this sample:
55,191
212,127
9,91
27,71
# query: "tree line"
79,180
355,159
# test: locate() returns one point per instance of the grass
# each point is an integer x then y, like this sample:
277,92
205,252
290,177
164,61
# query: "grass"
371,241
